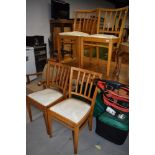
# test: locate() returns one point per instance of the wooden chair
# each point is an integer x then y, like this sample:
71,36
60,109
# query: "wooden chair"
77,110
37,81
109,32
85,23
56,85
37,84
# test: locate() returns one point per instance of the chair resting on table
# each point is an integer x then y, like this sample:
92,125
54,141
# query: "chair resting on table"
84,24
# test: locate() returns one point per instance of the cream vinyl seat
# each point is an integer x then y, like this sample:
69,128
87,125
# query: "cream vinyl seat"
102,36
76,111
46,97
74,33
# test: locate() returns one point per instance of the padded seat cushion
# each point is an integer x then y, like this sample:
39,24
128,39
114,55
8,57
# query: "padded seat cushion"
74,33
72,109
46,96
102,36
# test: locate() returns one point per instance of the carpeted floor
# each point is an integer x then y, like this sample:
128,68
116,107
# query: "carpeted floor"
38,142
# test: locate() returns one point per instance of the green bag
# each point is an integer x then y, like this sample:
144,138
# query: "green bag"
99,107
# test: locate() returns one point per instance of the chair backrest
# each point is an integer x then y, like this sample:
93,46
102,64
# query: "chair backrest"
57,75
81,84
86,21
111,21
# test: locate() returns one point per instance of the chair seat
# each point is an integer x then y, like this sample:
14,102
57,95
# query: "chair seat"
74,33
46,96
72,109
102,36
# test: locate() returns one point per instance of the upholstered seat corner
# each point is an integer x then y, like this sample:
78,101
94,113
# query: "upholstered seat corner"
107,36
73,33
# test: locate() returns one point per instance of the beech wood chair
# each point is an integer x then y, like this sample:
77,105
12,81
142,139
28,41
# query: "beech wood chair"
77,110
110,26
37,84
55,91
85,23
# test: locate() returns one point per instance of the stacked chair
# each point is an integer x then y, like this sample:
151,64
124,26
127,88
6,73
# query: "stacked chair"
110,24
85,23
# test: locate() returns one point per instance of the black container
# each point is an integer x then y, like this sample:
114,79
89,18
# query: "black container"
110,133
34,41
60,9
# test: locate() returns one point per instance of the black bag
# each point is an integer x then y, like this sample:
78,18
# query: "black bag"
110,133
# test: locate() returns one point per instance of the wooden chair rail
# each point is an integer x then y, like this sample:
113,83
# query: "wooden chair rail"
84,83
58,75
111,20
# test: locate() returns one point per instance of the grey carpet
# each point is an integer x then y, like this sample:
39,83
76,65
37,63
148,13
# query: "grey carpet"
39,143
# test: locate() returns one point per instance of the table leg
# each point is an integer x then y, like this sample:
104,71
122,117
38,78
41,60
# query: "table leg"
109,57
97,55
59,47
78,50
81,52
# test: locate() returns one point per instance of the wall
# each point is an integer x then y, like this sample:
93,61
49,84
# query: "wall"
87,4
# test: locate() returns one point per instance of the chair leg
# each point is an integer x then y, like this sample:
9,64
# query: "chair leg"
46,120
90,122
97,55
49,125
75,139
29,110
90,54
73,136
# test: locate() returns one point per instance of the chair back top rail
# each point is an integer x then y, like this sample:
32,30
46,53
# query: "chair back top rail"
111,21
58,75
85,21
82,83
